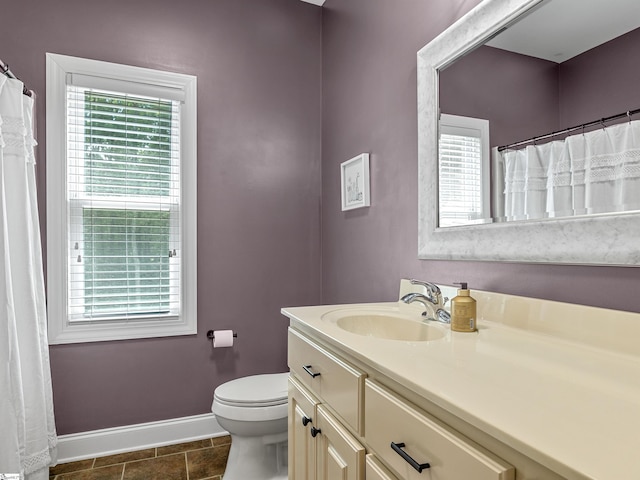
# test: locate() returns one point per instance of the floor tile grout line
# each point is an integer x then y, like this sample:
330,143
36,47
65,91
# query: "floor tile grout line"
185,453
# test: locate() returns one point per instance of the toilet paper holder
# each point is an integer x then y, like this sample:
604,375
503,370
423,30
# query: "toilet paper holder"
211,335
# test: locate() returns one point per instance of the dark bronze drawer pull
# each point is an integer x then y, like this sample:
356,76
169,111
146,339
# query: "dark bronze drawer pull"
307,368
314,431
305,421
397,447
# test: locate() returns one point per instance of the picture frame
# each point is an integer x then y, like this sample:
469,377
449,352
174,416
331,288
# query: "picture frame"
354,180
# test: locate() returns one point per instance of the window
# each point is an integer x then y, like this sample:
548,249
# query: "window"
121,201
463,170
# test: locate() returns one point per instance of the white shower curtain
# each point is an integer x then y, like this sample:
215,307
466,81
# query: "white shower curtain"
27,430
589,173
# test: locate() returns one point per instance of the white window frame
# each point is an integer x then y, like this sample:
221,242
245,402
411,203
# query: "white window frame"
477,128
131,80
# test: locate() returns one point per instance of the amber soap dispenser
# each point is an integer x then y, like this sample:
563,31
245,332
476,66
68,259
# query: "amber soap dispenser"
463,310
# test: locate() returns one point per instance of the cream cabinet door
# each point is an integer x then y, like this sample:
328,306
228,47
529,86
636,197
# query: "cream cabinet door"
302,446
339,455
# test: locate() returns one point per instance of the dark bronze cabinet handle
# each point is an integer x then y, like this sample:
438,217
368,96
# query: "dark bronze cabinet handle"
314,431
307,368
305,421
397,447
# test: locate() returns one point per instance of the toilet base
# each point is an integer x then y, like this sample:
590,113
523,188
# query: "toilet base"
252,458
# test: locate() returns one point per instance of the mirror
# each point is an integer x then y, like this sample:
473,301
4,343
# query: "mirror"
585,239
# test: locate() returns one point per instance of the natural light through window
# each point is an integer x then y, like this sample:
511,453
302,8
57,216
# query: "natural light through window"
124,176
463,188
123,185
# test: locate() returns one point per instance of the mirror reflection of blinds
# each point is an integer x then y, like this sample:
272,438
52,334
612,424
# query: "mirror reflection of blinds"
460,177
123,190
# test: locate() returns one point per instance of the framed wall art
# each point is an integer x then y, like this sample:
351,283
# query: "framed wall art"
354,179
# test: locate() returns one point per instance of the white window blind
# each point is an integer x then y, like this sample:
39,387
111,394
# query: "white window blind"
124,197
463,171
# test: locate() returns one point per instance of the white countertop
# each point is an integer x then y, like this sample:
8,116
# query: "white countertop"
571,406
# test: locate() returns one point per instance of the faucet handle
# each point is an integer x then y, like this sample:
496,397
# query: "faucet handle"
433,291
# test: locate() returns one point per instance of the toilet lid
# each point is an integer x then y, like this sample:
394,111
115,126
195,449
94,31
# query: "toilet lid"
254,390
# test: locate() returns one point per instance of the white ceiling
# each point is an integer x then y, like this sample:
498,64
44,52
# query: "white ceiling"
561,29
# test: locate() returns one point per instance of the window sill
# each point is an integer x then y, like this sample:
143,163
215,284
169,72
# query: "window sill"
103,332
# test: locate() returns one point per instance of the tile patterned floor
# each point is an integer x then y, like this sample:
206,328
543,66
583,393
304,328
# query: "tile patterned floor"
200,460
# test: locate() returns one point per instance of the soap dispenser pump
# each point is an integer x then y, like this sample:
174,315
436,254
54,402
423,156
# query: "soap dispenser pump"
463,310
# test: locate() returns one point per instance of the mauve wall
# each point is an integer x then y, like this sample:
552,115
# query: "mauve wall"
258,65
498,86
601,82
369,105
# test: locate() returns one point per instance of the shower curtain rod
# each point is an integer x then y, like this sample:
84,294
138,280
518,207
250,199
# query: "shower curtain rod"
5,69
602,121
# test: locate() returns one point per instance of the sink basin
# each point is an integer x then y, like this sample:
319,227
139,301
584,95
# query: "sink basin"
389,326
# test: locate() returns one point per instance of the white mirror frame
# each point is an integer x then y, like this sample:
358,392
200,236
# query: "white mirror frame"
612,239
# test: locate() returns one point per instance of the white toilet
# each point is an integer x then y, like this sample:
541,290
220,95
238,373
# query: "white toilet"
253,410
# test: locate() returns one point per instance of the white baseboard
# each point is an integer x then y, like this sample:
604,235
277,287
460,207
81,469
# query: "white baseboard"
110,441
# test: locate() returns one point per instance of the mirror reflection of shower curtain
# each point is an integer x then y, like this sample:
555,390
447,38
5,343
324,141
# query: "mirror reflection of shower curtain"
588,173
27,431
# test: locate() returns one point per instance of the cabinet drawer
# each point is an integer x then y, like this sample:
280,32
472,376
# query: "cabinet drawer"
332,380
449,455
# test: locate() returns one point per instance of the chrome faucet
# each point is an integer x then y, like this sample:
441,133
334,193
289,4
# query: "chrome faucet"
432,301
443,316
418,297
433,291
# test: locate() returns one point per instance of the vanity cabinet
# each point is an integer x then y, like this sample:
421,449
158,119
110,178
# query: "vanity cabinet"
506,403
337,416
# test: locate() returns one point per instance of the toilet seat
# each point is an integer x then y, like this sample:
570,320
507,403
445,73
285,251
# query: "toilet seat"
252,398
254,391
